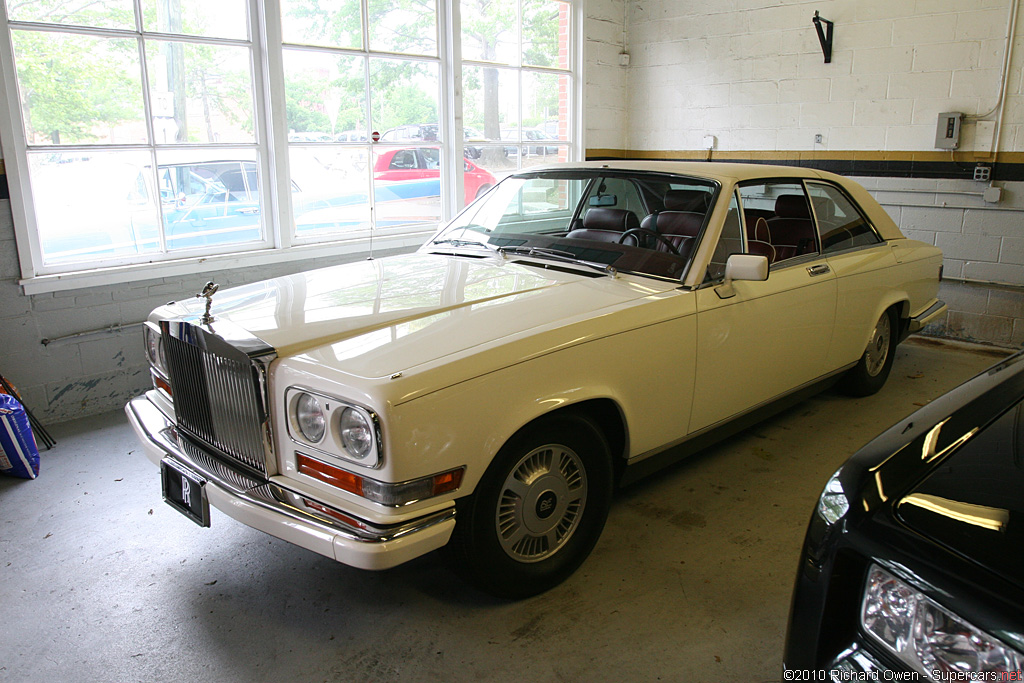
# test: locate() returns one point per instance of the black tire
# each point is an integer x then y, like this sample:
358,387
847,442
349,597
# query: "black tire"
872,370
538,510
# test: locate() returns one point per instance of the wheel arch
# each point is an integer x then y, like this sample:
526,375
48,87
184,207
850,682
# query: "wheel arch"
607,416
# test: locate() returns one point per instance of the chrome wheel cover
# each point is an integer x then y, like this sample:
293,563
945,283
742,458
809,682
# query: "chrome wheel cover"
541,503
878,346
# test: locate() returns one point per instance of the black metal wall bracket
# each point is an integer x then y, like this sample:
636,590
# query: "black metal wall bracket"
824,36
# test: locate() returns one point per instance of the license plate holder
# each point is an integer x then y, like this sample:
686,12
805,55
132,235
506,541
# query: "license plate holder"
185,491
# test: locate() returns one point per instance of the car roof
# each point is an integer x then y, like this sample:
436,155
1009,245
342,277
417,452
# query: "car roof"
714,170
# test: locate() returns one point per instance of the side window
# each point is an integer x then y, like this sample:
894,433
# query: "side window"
431,158
777,219
840,224
404,158
730,242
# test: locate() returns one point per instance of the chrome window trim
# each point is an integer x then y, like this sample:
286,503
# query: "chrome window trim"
378,434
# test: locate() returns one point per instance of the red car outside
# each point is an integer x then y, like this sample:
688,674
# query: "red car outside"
418,163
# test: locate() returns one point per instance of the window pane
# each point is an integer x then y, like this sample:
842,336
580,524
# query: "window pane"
477,180
200,93
489,31
99,13
330,190
840,224
543,155
326,96
729,243
546,29
79,89
403,100
210,198
546,103
490,106
331,23
407,186
94,205
776,214
221,19
408,28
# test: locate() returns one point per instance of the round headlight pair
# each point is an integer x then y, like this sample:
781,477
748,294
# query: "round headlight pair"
355,430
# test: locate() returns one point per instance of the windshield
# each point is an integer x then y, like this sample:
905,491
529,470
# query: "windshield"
640,222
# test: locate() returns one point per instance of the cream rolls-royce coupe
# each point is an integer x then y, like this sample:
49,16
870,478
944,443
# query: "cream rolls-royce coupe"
573,329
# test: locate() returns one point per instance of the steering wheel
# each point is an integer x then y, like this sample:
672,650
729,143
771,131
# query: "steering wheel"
633,232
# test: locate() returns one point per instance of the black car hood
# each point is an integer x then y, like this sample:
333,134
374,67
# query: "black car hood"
973,502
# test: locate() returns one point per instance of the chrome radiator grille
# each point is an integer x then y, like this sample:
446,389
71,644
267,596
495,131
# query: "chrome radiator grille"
217,393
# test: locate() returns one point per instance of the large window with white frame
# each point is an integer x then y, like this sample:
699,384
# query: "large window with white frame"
145,131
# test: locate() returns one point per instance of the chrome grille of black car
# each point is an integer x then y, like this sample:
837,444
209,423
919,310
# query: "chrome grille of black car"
217,395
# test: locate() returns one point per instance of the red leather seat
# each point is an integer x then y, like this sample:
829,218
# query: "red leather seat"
681,220
792,230
678,227
605,225
759,240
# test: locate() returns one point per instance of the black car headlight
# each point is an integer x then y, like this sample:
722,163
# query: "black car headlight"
833,503
332,426
927,637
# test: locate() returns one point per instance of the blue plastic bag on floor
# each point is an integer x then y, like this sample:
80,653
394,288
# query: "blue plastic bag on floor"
19,456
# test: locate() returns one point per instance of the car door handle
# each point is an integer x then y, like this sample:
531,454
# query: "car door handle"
819,269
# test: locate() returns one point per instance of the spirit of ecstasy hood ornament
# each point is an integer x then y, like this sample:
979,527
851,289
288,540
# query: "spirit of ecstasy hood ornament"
208,291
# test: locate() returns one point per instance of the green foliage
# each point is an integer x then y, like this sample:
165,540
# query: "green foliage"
76,85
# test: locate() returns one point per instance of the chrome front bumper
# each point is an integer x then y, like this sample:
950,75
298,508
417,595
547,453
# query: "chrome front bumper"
289,515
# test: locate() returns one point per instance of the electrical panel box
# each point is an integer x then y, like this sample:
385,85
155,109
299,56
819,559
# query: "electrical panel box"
947,133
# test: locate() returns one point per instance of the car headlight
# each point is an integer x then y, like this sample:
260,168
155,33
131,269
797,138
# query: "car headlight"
332,426
155,347
357,434
833,503
929,638
309,417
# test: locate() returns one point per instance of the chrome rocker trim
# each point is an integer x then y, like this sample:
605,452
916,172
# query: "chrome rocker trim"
290,515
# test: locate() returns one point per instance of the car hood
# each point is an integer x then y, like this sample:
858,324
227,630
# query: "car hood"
973,502
377,317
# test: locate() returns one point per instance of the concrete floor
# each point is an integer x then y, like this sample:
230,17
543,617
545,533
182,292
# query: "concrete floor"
101,581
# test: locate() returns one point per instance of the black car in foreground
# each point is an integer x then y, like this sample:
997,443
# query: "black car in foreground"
913,564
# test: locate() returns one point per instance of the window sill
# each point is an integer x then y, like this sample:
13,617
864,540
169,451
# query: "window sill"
98,277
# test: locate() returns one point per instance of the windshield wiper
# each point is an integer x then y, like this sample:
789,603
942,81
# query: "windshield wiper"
464,243
558,255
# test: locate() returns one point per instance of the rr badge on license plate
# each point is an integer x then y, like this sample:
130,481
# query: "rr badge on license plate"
185,491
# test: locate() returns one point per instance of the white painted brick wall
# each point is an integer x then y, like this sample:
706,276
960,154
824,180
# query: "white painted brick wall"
605,95
900,62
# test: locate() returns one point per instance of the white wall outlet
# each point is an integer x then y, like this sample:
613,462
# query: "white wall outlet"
623,59
709,142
